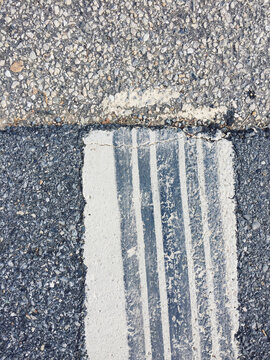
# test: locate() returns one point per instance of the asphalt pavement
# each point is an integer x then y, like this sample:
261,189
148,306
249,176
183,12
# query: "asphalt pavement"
41,226
77,61
76,78
43,208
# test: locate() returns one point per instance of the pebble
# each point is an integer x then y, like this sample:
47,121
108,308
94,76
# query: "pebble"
256,225
32,55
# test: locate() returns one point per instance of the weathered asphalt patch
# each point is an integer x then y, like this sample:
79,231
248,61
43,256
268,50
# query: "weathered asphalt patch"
160,246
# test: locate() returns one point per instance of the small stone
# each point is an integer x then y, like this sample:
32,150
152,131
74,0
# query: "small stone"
146,37
17,66
7,73
32,55
252,107
247,217
42,347
265,268
20,212
256,225
68,2
227,80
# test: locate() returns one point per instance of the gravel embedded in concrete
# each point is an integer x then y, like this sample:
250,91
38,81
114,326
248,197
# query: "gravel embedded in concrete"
63,59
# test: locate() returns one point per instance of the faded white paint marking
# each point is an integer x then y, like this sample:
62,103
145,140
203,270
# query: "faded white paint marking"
208,259
105,324
122,103
196,348
226,189
140,244
160,250
202,113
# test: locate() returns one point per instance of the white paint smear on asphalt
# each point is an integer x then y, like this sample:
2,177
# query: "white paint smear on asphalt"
105,325
196,348
226,181
207,251
160,249
123,102
202,113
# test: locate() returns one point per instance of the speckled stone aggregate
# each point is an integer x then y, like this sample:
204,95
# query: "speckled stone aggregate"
41,238
74,53
252,168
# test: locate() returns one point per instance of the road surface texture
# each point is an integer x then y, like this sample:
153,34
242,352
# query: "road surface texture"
125,242
171,225
147,62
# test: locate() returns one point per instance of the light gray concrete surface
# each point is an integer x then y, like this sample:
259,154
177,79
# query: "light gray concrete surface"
148,62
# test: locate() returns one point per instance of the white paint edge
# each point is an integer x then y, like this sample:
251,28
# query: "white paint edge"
160,248
196,348
226,193
105,323
140,245
207,251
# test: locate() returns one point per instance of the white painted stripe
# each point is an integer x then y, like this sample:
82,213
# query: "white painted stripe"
196,348
140,242
208,260
226,185
105,323
160,250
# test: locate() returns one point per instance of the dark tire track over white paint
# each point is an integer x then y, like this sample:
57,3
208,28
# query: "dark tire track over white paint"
176,282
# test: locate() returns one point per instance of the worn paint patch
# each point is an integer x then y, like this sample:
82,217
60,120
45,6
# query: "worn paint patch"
203,113
105,325
160,214
123,102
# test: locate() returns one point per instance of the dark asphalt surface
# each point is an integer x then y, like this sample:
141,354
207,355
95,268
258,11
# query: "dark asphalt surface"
41,227
41,242
253,214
